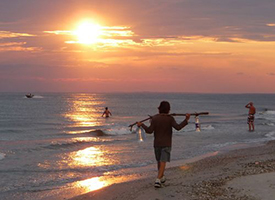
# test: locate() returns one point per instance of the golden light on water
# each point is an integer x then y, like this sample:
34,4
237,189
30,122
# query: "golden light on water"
82,111
97,183
84,158
91,156
92,184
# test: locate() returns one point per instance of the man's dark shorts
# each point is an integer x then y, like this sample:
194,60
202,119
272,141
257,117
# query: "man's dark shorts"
163,154
250,119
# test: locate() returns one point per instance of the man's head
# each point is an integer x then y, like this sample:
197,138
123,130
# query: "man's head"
164,107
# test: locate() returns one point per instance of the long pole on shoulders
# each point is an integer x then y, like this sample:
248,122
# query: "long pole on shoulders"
131,125
192,114
173,114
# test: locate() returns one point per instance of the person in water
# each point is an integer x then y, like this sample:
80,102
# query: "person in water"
107,113
251,113
162,126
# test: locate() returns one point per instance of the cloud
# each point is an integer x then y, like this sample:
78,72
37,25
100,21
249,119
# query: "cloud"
210,18
172,39
8,34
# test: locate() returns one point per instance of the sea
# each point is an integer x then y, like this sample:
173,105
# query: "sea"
58,145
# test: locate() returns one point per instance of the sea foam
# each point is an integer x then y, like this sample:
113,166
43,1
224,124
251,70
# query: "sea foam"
271,134
118,130
2,156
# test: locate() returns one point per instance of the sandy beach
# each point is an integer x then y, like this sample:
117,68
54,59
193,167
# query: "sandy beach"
244,174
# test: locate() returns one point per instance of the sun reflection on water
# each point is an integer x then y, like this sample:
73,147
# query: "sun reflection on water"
92,184
97,183
91,156
84,110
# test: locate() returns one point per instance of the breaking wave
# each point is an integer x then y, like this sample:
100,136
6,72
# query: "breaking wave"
271,135
207,127
267,115
118,131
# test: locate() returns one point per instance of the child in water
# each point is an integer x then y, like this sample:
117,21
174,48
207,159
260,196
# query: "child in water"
107,113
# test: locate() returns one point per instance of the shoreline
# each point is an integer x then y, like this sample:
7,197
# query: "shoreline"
208,178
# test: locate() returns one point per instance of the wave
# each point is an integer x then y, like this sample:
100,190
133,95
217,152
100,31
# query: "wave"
269,112
118,130
267,115
207,127
271,135
70,143
268,124
2,156
222,145
38,97
95,133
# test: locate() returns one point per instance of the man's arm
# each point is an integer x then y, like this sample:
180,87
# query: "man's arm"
248,105
182,124
179,126
149,129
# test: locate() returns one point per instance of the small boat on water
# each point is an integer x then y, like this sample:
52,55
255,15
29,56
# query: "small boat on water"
29,95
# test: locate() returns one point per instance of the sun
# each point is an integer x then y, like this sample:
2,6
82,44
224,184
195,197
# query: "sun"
88,32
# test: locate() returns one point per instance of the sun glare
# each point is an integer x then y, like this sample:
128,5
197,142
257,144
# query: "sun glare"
88,32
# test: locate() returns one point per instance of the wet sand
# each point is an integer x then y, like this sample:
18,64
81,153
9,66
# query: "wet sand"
244,174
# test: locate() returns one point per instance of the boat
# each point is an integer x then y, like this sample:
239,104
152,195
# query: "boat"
29,95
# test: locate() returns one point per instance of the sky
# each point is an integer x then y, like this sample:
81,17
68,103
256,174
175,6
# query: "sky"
201,46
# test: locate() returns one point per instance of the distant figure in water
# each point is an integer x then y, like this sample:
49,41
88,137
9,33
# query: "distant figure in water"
107,113
162,125
251,113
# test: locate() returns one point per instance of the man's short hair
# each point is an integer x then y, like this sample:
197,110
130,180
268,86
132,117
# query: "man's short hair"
164,107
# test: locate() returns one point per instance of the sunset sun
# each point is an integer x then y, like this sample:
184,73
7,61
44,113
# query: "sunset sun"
88,32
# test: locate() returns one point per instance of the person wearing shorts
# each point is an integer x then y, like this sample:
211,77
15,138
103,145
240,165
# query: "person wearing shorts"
251,113
162,126
250,119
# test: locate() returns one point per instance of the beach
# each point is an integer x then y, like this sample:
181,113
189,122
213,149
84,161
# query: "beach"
243,174
57,146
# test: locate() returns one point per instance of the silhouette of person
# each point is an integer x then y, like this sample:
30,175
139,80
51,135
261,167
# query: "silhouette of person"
107,113
162,126
251,113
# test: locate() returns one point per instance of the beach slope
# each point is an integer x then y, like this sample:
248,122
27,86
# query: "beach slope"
244,174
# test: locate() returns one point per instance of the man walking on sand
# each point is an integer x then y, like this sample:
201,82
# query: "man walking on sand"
162,125
251,113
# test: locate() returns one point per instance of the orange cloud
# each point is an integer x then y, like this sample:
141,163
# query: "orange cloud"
8,34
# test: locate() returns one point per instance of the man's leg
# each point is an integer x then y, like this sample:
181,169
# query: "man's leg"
252,124
161,169
249,126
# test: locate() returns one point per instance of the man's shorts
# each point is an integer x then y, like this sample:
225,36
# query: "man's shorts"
250,119
163,154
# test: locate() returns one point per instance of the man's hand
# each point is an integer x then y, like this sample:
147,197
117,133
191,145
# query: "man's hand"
187,116
139,124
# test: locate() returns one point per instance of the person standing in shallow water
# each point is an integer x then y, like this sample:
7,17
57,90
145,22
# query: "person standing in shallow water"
251,113
107,113
162,126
